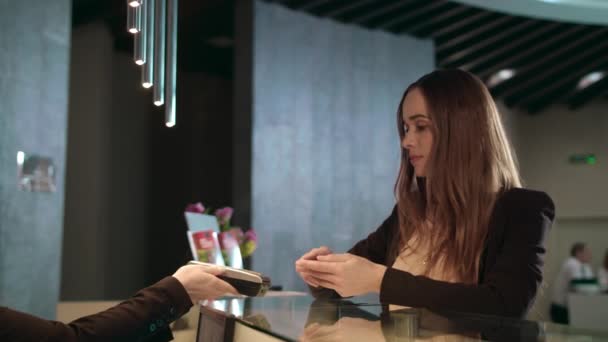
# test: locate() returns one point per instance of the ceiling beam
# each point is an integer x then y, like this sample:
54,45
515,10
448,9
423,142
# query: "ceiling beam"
539,88
460,23
550,63
309,5
564,87
506,56
409,15
424,26
473,34
353,5
362,20
457,58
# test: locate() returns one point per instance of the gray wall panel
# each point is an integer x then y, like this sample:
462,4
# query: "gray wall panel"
325,149
34,57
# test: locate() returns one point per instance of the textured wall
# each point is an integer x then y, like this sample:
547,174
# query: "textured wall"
325,148
547,140
34,56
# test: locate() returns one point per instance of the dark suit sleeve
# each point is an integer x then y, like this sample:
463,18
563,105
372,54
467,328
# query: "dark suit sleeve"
144,317
373,248
509,287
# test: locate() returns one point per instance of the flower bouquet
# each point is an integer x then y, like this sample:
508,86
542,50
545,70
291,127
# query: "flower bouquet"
213,239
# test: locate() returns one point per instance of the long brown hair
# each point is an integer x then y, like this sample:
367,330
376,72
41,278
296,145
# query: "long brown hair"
471,162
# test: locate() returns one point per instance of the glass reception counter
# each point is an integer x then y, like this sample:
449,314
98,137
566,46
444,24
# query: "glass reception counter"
303,318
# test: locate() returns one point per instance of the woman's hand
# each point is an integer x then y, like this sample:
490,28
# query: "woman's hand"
347,274
202,283
346,329
311,255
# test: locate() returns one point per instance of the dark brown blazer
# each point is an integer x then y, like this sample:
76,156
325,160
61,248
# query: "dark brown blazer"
144,317
511,265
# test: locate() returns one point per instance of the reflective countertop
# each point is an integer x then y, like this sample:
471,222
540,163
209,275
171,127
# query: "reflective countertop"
304,318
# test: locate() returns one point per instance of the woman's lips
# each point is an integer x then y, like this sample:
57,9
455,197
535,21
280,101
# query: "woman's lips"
414,159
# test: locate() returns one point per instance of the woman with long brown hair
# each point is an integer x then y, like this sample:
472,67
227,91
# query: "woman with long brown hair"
463,235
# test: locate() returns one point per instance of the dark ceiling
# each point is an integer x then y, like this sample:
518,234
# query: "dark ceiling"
205,30
548,58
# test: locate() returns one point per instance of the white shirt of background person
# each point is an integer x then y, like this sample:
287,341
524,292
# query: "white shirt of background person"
573,268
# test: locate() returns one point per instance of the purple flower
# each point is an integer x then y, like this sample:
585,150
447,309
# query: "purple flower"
195,208
250,235
224,215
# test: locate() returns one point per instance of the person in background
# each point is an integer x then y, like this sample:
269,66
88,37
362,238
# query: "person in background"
143,317
576,267
464,235
602,273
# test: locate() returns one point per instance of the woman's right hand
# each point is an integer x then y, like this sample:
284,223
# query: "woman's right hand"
311,255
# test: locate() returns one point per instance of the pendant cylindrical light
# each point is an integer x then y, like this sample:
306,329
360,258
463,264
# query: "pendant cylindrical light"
131,20
159,52
171,63
140,39
134,3
147,75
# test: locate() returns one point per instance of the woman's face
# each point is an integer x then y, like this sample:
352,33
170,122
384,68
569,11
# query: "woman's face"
418,138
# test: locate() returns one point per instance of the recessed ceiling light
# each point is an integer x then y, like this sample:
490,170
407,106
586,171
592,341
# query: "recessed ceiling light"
590,78
500,77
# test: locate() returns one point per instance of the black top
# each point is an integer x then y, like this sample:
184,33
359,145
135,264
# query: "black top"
144,317
511,265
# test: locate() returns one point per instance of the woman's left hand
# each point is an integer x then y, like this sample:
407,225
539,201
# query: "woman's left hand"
347,274
346,329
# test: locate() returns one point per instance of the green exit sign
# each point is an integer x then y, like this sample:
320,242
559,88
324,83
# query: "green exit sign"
587,158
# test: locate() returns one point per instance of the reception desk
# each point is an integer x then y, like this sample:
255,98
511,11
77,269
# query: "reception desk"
363,319
588,310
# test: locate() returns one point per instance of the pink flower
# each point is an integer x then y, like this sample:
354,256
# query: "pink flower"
237,233
195,208
250,235
224,215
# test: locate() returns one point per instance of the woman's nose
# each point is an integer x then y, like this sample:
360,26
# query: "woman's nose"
407,142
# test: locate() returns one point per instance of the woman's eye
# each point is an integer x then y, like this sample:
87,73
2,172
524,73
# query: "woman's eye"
420,128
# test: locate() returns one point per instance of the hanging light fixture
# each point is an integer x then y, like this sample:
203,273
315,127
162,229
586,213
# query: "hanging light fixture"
171,62
159,53
132,25
139,40
134,3
147,75
154,23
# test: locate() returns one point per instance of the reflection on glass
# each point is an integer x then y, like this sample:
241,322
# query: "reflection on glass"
303,318
35,173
